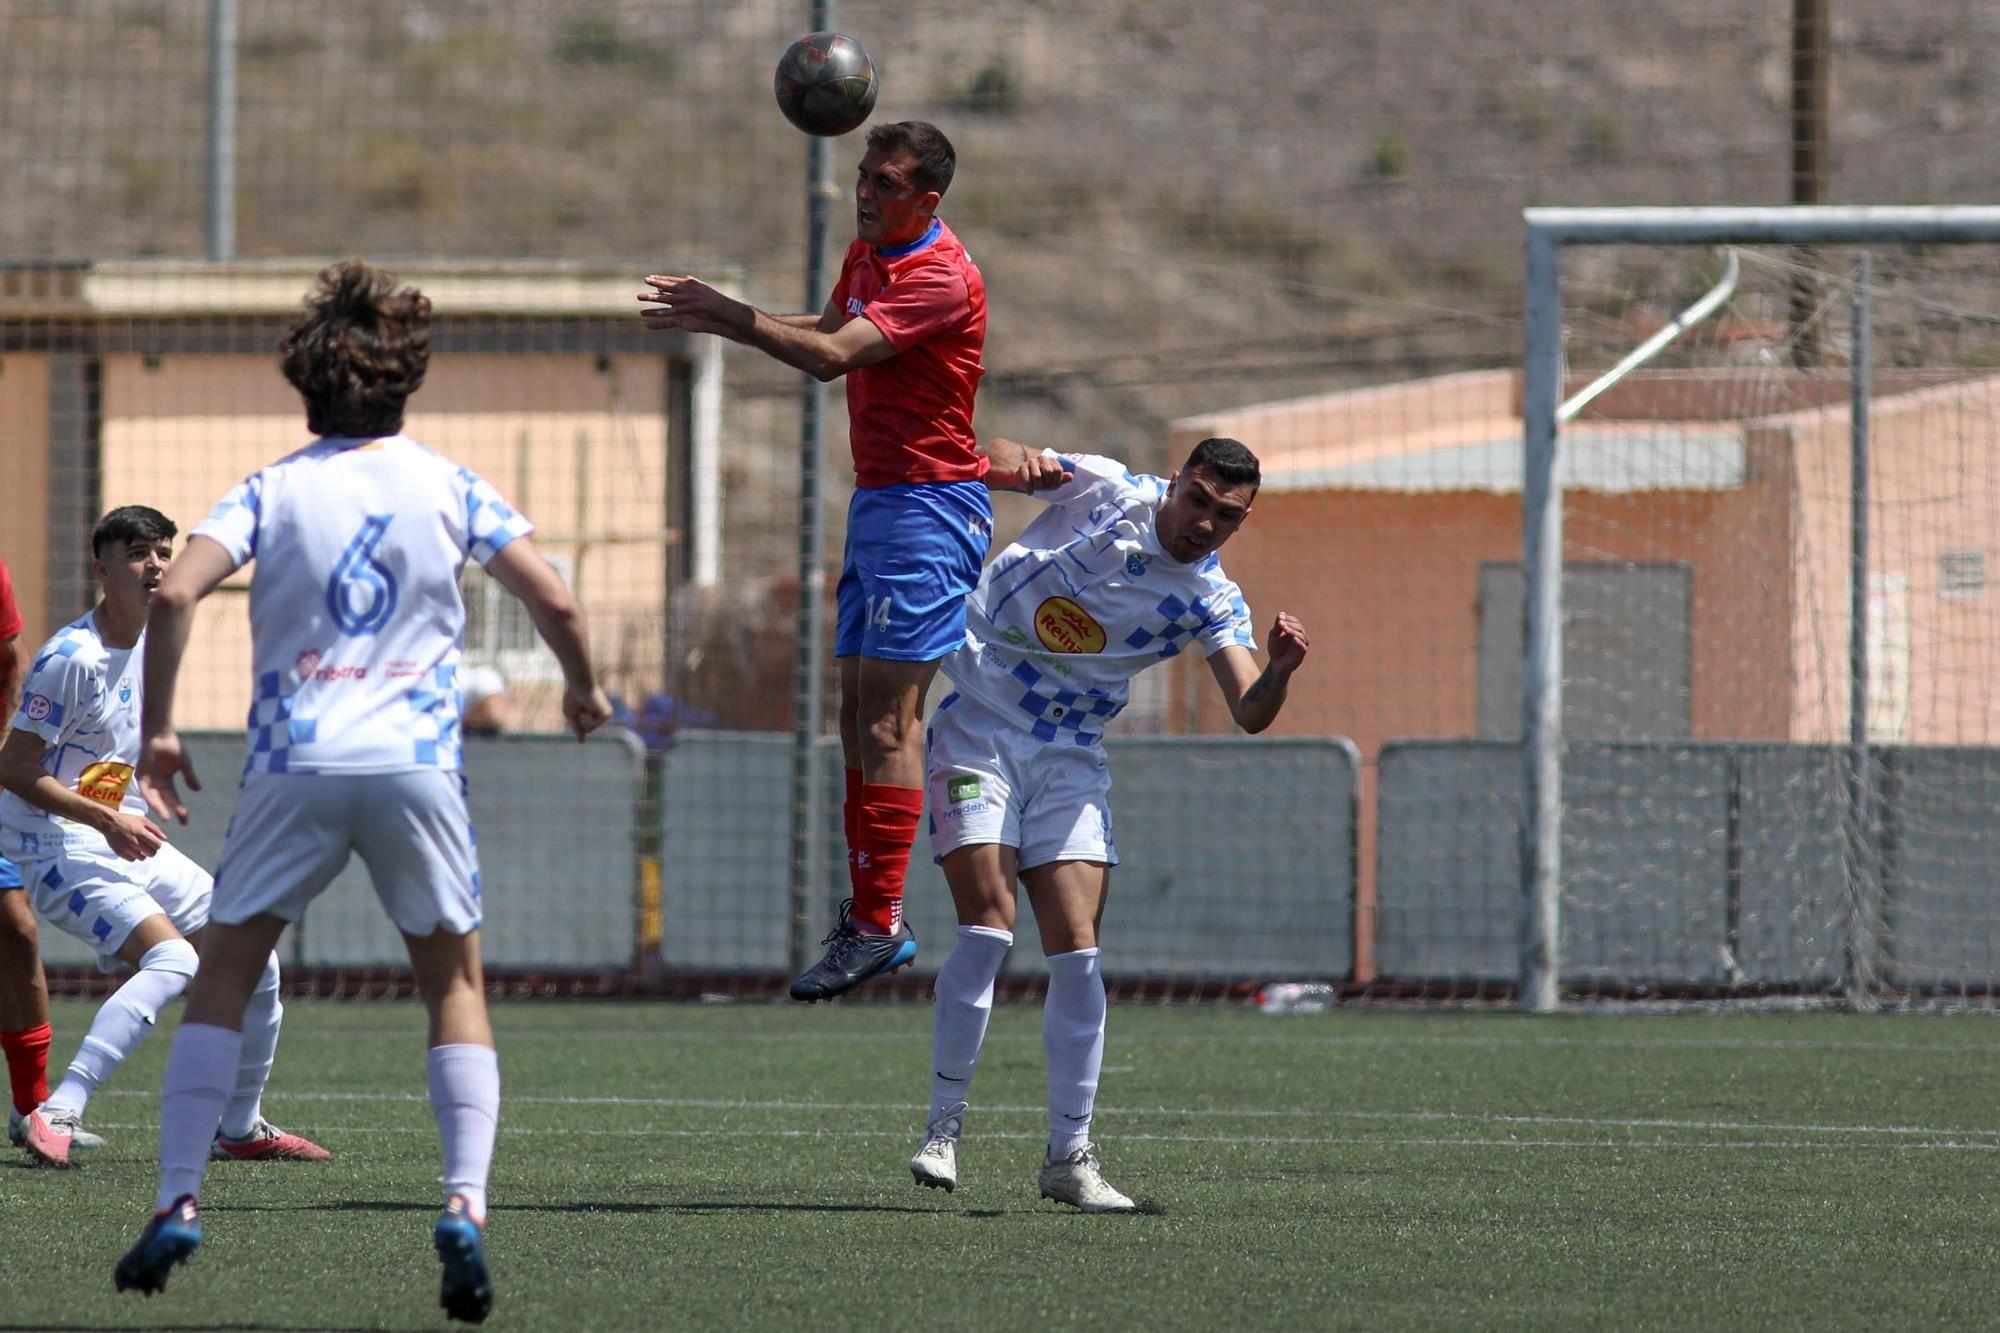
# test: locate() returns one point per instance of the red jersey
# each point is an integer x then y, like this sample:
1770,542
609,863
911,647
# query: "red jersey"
11,624
909,418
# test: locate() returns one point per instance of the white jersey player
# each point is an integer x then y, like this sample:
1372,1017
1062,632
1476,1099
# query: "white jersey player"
355,618
74,821
1118,575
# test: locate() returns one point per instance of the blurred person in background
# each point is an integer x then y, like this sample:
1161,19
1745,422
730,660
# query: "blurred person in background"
488,710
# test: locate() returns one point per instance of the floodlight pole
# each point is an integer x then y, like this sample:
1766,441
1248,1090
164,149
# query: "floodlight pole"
809,663
221,129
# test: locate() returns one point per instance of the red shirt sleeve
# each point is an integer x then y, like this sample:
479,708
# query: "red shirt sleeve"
917,304
10,614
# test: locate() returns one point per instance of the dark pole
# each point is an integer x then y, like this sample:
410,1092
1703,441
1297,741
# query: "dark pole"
809,668
1811,78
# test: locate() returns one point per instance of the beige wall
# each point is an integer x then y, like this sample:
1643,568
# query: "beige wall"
1935,477
24,480
582,451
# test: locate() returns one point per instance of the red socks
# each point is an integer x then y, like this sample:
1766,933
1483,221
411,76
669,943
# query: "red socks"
850,820
885,827
28,1064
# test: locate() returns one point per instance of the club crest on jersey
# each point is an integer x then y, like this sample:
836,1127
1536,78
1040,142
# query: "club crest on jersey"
124,691
1135,565
104,783
1065,627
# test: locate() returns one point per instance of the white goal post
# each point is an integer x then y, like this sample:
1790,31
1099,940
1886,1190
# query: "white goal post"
1549,232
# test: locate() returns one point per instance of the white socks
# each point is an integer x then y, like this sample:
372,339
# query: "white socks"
262,1018
964,1003
124,1020
465,1095
1073,1036
200,1070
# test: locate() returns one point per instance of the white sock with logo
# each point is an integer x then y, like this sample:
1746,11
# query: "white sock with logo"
964,1004
123,1021
1073,1037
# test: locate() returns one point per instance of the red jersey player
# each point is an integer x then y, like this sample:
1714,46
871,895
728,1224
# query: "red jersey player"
906,326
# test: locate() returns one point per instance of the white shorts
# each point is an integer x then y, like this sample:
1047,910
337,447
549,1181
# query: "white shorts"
990,781
93,894
293,832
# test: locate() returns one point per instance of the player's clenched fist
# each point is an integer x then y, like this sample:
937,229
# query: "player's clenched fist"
1288,643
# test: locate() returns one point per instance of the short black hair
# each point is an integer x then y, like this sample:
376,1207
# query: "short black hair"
937,161
1227,461
128,524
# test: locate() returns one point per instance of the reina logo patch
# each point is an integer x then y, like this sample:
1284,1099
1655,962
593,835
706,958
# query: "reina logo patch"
104,783
962,789
1065,627
38,707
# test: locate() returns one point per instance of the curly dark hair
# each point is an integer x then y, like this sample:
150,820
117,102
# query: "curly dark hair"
360,352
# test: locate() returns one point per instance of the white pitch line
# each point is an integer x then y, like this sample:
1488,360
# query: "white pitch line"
1172,1112
1212,1140
1299,1037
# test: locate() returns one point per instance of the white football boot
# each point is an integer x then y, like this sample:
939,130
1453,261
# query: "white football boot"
936,1162
1078,1179
17,1133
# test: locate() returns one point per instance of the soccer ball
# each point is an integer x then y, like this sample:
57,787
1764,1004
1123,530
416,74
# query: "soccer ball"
826,83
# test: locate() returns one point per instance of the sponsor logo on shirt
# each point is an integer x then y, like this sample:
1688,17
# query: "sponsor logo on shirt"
404,669
307,667
1065,627
104,783
855,305
962,789
37,706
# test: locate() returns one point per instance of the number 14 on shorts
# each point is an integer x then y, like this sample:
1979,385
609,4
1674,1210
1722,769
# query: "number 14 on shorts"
878,611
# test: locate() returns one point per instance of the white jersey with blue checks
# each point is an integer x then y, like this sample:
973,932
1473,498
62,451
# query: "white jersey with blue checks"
1085,600
82,697
355,613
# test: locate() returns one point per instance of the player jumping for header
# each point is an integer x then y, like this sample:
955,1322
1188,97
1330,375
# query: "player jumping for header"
1118,575
906,326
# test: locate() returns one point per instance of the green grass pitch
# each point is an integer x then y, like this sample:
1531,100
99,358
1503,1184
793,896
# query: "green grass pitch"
742,1167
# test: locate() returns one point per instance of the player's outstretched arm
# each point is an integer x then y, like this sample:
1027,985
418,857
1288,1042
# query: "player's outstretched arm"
1020,467
1256,698
825,349
196,571
522,571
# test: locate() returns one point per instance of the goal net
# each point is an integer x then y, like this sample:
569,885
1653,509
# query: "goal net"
1762,754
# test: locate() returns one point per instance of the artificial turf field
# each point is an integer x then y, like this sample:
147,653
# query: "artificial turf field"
742,1166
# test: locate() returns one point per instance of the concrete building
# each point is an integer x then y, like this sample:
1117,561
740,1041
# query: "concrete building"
1706,549
156,382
